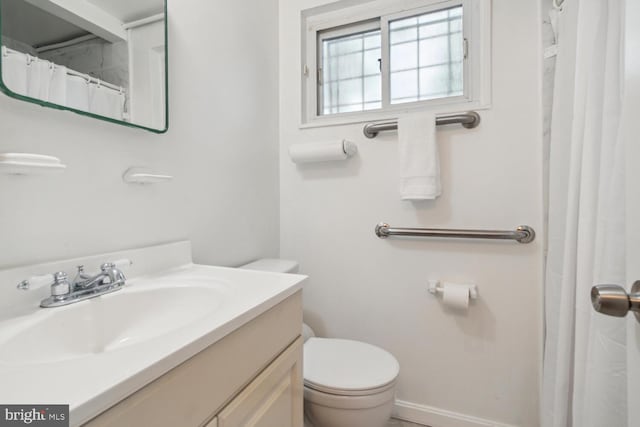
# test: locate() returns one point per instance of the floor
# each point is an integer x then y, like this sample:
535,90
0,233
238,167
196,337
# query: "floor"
399,423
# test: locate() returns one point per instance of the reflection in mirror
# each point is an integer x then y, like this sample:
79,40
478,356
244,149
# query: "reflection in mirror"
103,57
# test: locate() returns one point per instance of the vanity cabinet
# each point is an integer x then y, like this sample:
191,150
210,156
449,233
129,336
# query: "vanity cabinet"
252,377
274,398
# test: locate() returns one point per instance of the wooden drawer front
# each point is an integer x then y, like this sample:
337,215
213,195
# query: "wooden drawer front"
191,393
273,399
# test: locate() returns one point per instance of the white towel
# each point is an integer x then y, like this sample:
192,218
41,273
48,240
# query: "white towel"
14,71
419,158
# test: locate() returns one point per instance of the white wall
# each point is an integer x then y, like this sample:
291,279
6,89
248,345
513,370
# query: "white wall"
484,364
221,148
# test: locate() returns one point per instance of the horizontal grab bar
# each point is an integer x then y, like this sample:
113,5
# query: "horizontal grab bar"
522,234
468,120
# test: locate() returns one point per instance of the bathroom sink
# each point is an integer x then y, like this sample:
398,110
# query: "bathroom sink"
109,323
91,354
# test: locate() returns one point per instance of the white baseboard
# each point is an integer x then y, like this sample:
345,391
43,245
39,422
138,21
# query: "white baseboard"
435,417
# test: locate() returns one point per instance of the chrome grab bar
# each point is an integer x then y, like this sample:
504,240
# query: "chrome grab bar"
522,234
468,120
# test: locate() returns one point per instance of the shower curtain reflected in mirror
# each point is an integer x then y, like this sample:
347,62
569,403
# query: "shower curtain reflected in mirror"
43,80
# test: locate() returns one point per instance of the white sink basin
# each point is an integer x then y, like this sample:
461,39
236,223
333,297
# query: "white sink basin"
109,323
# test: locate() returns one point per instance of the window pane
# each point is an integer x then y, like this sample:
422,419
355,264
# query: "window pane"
350,93
434,51
404,56
351,78
404,86
427,56
372,89
350,65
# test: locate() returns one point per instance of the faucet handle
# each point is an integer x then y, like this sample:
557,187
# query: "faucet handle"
123,263
36,282
107,266
119,264
59,283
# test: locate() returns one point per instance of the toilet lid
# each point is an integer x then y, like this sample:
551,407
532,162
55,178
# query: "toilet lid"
347,367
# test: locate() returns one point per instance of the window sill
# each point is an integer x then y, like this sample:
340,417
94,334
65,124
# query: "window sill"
389,114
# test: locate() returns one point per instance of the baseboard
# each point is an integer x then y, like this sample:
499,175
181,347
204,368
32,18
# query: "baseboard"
435,417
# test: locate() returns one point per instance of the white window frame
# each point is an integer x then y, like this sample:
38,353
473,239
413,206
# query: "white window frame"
477,65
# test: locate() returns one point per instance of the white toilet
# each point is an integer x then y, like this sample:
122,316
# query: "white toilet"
346,383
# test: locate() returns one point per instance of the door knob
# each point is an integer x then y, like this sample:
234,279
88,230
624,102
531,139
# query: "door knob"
613,300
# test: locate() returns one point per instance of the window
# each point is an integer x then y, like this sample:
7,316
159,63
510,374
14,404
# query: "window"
351,77
425,56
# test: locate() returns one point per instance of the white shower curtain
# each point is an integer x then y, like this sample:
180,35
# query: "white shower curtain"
35,78
106,102
584,380
39,79
14,71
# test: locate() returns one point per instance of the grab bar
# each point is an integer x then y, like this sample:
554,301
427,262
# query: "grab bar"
468,120
522,234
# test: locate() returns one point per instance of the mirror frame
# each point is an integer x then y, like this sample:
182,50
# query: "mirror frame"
8,92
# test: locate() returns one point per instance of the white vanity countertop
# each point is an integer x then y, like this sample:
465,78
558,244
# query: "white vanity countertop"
92,383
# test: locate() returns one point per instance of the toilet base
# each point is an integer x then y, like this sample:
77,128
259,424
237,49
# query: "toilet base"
335,417
325,410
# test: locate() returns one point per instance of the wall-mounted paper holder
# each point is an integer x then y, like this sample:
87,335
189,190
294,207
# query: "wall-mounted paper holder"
435,288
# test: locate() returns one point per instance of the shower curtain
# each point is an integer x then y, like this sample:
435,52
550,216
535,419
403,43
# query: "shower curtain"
29,76
584,374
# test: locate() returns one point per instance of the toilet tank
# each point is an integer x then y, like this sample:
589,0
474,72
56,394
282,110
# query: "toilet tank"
273,265
279,266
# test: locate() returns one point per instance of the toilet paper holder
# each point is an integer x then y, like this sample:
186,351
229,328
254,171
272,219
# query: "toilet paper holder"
435,287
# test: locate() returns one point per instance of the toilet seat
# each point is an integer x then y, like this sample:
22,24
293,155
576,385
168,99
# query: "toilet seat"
348,368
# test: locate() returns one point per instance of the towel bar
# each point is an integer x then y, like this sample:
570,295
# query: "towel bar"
522,234
468,120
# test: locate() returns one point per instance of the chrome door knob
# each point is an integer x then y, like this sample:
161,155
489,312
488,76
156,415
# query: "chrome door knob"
613,300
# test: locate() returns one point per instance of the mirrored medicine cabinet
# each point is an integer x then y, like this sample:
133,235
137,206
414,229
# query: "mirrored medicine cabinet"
105,59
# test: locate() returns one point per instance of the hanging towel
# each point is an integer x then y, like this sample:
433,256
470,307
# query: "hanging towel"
58,86
419,158
106,102
14,71
77,93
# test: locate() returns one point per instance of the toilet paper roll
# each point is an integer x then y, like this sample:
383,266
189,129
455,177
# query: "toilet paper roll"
456,295
322,151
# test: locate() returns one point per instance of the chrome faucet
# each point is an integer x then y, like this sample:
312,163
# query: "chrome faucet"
109,274
84,286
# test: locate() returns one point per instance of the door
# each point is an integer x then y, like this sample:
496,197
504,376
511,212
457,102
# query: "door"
274,398
632,143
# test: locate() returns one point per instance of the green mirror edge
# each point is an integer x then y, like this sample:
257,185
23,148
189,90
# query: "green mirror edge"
8,92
